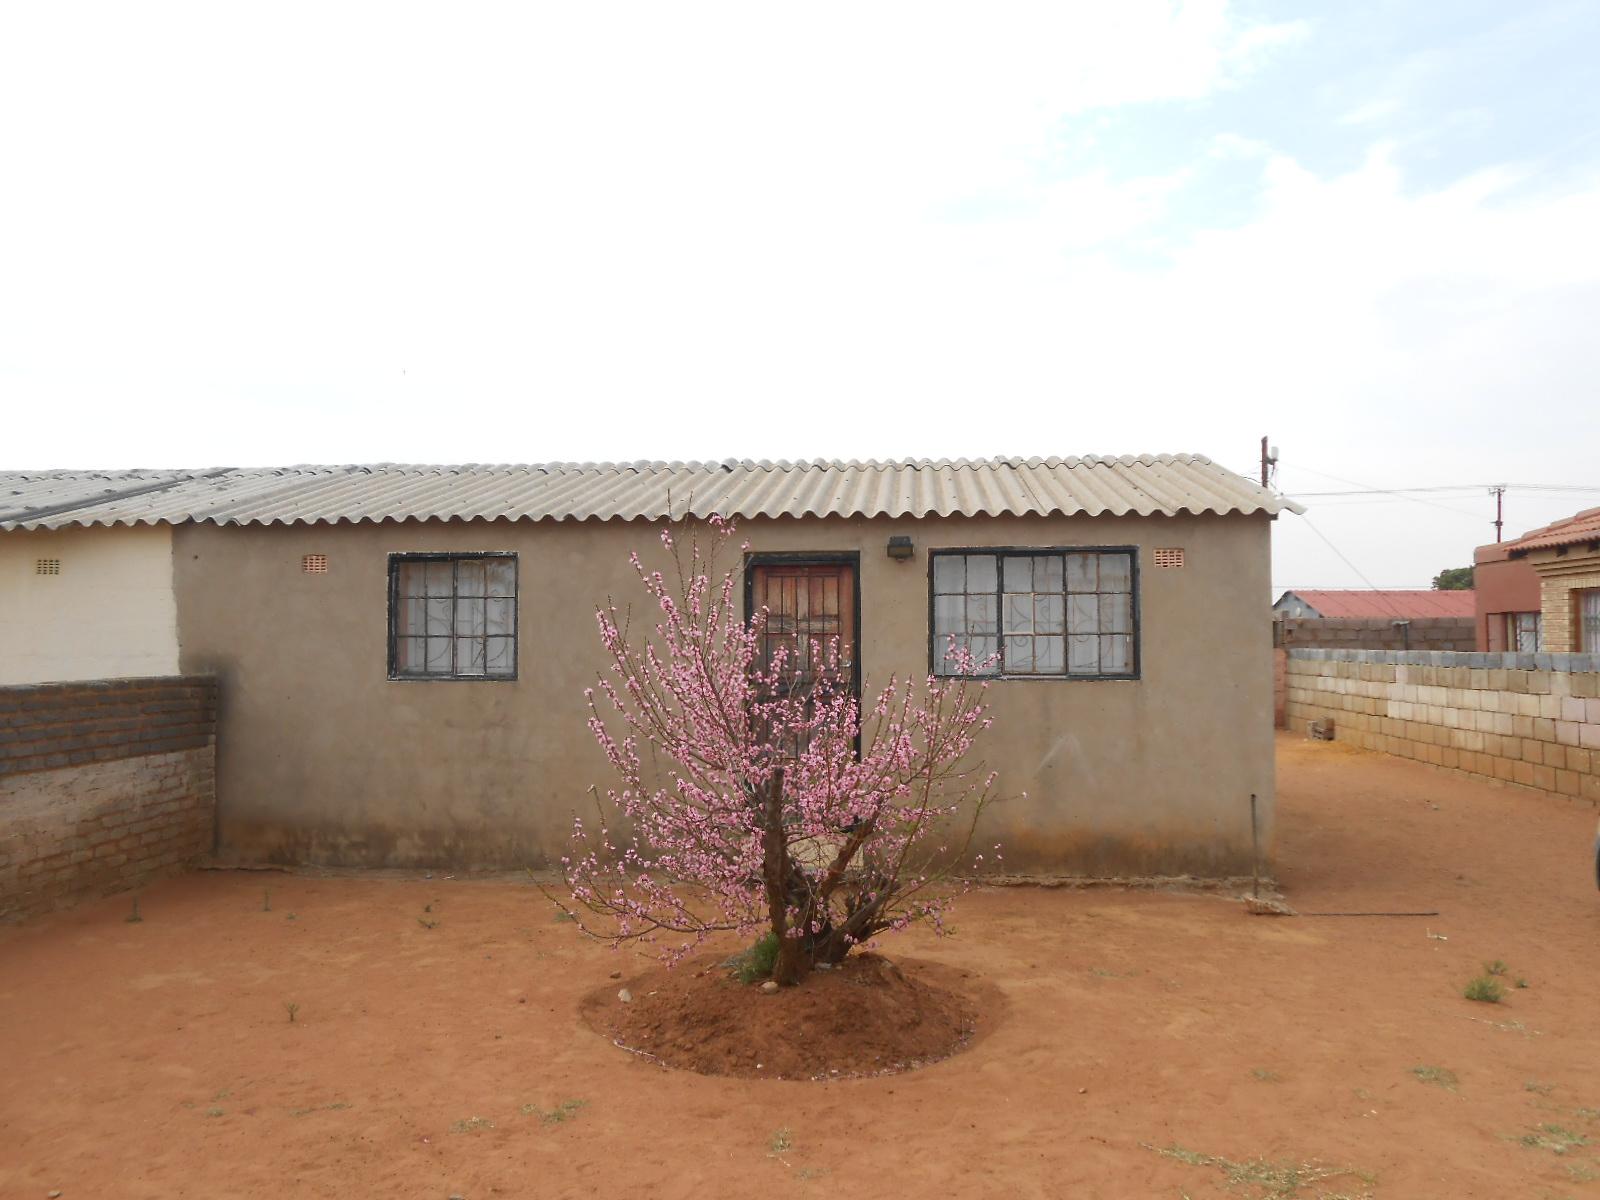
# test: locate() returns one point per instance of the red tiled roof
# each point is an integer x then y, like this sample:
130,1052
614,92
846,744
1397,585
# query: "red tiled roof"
1367,603
1580,527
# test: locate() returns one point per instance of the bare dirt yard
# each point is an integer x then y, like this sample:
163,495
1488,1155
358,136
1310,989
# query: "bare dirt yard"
1146,1044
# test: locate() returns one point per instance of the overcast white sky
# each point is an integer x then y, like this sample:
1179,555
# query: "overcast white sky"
239,235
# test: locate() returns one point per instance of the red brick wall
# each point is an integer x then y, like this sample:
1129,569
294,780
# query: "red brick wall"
104,786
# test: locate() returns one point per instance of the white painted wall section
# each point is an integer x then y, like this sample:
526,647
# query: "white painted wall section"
109,613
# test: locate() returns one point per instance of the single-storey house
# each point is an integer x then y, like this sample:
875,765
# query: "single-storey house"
83,601
402,650
1565,558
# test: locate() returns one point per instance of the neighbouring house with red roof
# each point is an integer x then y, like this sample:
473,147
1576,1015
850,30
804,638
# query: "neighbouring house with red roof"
1556,573
1507,593
1372,604
1373,619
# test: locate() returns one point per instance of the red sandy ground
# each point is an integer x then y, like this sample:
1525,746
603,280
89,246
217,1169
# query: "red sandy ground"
157,1059
867,1016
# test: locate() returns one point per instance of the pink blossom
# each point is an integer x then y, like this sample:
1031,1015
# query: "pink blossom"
744,803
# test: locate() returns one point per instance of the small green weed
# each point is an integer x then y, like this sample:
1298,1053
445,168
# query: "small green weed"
1533,1085
1555,1138
1582,1173
1266,1076
1271,1179
1485,989
1438,1076
755,964
427,922
214,1112
782,1141
1497,967
1519,982
471,1125
564,1111
292,1009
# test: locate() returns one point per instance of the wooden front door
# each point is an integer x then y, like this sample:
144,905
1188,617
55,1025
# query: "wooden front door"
806,602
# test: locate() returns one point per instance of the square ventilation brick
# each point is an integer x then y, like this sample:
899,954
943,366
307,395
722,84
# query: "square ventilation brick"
1169,556
47,566
314,564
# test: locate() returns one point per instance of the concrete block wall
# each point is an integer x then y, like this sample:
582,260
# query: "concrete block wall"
1280,688
1529,719
104,786
1338,633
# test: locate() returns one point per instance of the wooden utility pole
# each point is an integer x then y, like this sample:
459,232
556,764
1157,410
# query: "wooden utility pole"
1499,491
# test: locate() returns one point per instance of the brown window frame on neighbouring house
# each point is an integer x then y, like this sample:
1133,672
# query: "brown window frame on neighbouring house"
1586,604
1007,617
1519,623
471,590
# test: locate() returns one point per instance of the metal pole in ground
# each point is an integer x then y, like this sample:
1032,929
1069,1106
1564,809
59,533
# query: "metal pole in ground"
1255,850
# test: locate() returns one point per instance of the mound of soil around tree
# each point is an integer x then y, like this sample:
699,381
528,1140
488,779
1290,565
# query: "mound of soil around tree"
868,1016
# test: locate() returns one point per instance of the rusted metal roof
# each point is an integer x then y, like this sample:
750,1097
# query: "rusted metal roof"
1580,527
1147,485
1371,603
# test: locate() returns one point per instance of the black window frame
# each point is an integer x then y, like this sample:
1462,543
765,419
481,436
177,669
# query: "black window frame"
398,559
935,659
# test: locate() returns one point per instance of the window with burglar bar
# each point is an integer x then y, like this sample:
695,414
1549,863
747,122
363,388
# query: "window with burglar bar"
1523,632
1589,621
1067,613
453,616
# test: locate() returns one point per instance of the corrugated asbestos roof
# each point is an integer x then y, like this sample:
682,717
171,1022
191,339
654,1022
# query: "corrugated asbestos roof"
1370,603
1580,527
1164,484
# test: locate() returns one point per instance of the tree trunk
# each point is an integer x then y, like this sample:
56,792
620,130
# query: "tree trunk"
789,965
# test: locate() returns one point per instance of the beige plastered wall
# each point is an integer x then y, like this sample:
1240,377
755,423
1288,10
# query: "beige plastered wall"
323,759
109,614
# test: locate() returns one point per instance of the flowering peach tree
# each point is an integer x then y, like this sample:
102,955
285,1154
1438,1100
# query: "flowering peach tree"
756,791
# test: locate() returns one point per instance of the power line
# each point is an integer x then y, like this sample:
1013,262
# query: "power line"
1395,493
1459,487
1387,602
1414,494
